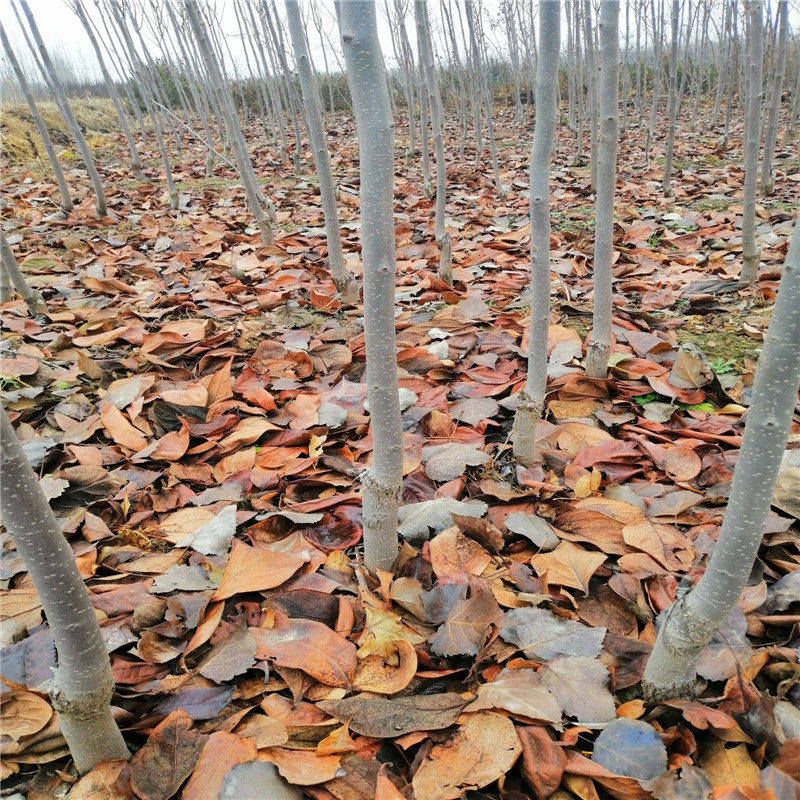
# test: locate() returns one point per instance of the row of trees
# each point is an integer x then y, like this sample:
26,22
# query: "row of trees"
82,688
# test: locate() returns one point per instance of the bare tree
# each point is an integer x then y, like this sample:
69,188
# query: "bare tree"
83,684
598,349
531,398
751,254
382,482
690,622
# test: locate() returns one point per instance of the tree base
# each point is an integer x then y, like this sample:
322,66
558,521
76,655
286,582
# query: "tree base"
523,434
445,259
597,355
348,289
379,504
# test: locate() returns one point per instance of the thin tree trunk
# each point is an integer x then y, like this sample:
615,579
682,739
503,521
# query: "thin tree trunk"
531,398
58,173
791,128
767,178
599,347
690,622
382,482
69,117
673,98
651,129
32,298
428,65
755,38
343,280
83,684
592,102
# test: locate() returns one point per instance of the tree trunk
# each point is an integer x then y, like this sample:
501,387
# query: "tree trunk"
428,65
69,117
690,622
599,346
750,249
61,181
531,398
591,102
83,684
241,156
32,298
673,98
382,483
767,178
344,280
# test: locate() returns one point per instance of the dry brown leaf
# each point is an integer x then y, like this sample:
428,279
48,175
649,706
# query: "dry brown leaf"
120,429
451,551
23,714
303,767
568,565
483,749
252,569
221,753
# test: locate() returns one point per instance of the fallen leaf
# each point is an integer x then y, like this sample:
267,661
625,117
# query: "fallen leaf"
417,520
631,748
519,692
544,636
167,758
390,717
221,752
229,657
543,761
252,569
580,686
448,461
309,646
568,565
481,750
120,429
23,713
465,630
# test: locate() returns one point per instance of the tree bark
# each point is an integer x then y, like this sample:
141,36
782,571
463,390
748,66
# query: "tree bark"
767,178
83,684
382,482
531,398
690,622
61,181
591,101
599,346
751,254
344,281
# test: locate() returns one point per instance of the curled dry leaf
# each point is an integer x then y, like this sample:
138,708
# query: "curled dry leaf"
373,674
542,761
481,750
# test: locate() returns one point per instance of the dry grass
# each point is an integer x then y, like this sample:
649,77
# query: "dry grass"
21,142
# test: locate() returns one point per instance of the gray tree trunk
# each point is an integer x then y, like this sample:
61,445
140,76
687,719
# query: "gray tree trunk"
32,298
531,398
240,154
592,102
767,178
69,117
751,254
673,98
382,482
690,622
345,281
82,686
428,66
599,346
58,173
